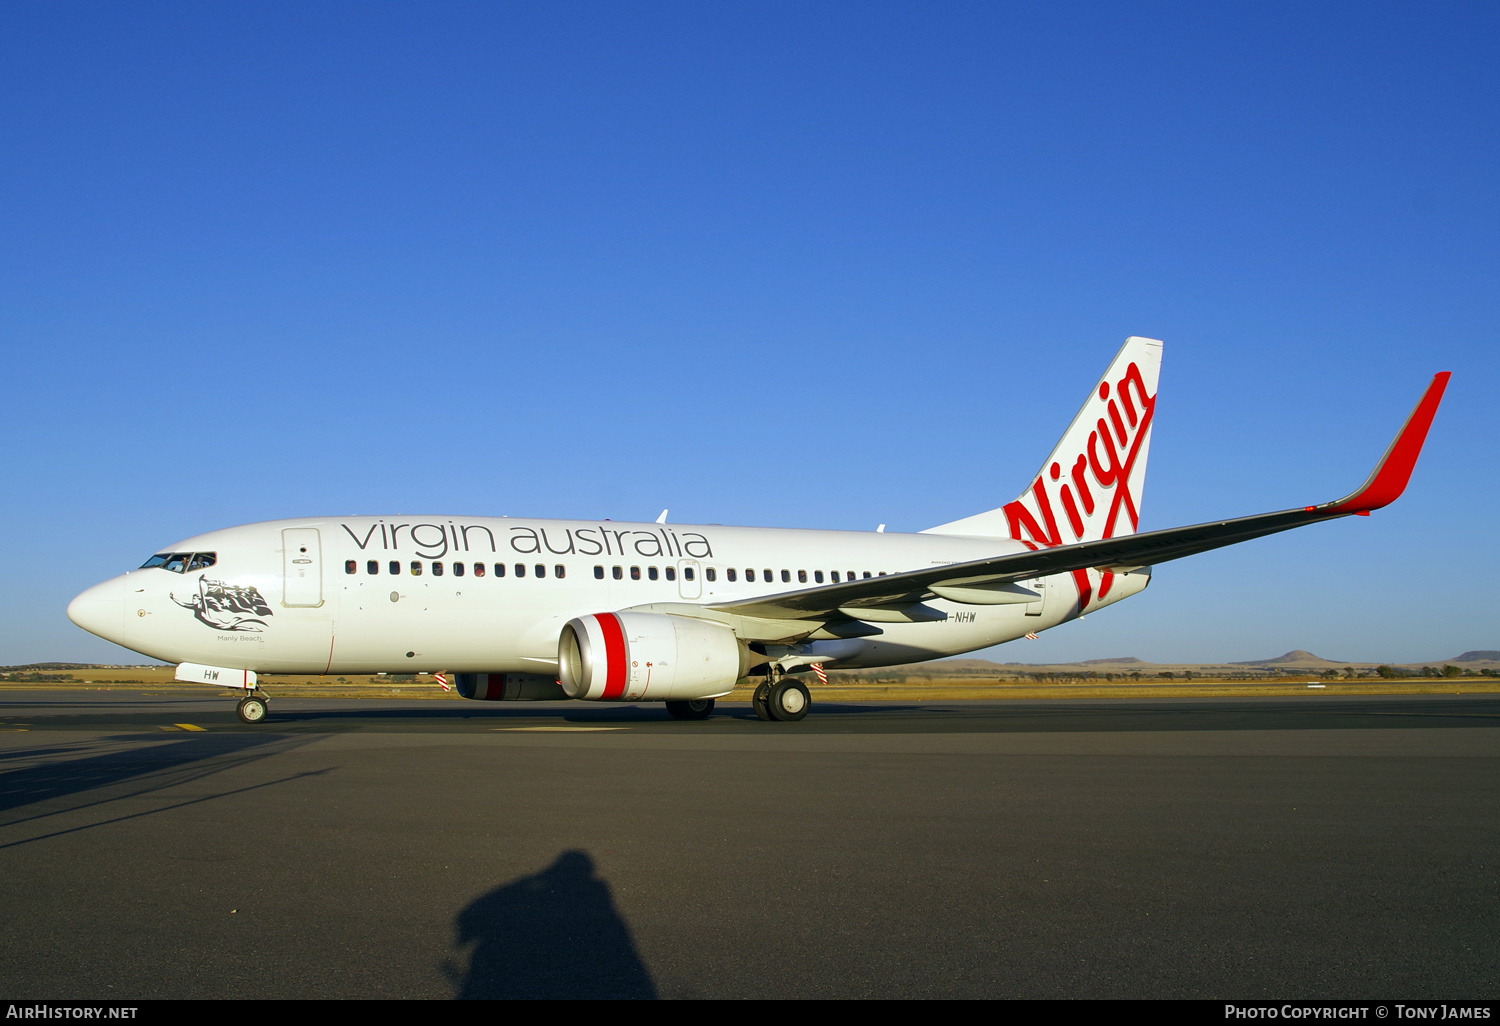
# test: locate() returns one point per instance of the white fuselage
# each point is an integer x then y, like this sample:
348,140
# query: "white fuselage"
383,594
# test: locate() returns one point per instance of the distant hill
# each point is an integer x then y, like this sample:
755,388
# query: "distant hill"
1297,660
80,666
1296,657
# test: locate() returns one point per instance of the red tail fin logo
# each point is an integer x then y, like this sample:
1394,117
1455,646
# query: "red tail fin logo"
1096,482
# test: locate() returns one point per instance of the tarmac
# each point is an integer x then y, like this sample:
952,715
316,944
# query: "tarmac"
151,846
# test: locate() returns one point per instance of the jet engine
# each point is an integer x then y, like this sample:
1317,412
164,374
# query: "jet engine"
508,687
647,657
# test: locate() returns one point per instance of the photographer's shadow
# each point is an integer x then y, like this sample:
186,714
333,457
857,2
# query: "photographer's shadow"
554,934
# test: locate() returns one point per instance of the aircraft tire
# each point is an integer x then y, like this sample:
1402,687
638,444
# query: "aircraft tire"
760,702
789,700
692,709
251,710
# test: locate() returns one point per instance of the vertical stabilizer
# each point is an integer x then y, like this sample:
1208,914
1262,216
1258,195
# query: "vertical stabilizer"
1091,485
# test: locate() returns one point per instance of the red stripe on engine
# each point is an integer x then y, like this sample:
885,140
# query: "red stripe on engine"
614,655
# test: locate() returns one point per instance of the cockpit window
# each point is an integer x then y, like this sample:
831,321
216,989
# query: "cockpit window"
180,562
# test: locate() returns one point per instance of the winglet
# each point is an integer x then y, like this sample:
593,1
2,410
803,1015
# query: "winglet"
1388,481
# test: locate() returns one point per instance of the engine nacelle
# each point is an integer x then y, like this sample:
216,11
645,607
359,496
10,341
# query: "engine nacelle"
508,687
647,657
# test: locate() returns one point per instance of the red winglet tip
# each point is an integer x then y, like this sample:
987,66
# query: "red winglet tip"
1388,481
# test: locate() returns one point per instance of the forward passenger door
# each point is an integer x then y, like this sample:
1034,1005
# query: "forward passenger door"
302,567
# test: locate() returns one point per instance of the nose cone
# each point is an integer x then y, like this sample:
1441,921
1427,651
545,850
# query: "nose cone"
101,609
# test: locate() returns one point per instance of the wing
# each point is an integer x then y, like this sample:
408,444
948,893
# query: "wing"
902,593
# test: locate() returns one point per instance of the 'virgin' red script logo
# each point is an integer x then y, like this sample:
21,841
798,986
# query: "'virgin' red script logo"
1097,491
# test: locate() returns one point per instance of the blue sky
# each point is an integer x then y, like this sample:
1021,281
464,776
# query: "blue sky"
788,264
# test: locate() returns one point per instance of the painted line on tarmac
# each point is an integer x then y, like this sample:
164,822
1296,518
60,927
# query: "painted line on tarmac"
559,729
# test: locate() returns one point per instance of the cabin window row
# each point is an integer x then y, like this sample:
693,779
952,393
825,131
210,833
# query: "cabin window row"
655,573
769,576
733,574
438,568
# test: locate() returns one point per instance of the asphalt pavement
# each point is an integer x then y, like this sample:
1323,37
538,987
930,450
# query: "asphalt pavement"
151,846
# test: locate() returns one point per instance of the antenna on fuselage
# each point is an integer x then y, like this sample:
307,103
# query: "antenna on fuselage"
880,529
663,518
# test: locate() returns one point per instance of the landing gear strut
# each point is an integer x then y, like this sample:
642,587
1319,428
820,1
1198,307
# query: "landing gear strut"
253,707
760,701
692,709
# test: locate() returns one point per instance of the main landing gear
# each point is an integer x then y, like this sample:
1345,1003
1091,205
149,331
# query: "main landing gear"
692,709
253,707
781,698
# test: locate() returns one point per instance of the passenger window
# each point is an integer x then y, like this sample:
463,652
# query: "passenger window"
598,573
786,577
730,574
458,569
672,573
616,573
834,577
801,576
499,569
437,569
351,566
395,567
766,575
749,575
635,573
882,573
687,573
709,574
478,569
372,567
818,576
559,571
416,568
202,561
541,571
651,572
520,569
867,575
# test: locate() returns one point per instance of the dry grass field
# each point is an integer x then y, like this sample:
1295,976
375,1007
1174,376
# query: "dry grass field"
913,689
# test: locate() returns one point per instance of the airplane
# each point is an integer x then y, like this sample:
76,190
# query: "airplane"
521,609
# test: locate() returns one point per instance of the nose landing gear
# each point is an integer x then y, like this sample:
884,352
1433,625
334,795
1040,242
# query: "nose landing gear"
253,707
